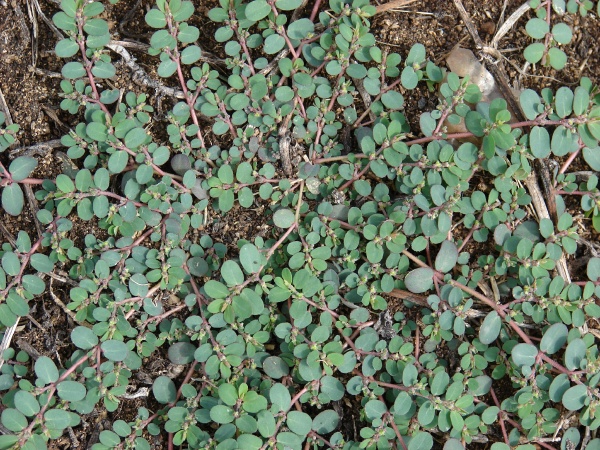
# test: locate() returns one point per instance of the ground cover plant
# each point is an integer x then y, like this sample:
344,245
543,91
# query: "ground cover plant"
393,301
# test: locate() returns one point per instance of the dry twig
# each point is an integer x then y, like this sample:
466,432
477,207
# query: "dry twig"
392,5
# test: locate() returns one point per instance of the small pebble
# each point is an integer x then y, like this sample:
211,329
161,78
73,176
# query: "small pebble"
488,27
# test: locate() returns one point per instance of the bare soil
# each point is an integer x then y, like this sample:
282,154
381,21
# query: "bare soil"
30,77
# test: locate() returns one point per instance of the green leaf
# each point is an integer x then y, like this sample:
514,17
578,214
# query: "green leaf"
275,367
280,396
534,52
136,137
409,78
561,32
231,273
299,422
447,257
97,131
524,354
392,100
46,370
71,391
531,103
221,414
84,338
575,397
34,284
490,328
273,44
57,419
250,258
167,68
325,422
575,353
539,141
8,440
26,403
537,28
66,48
197,266
300,29
419,280
257,10
13,199
554,338
266,423
13,420
114,350
228,394
215,289
191,54
184,12
103,69
138,285
118,161
41,263
284,218
288,5
592,157
188,34
73,70
11,263
557,58
164,389
64,184
181,353
156,19
96,27
421,441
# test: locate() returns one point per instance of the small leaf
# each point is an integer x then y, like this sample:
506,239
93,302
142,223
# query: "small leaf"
250,258
284,218
13,420
135,138
71,391
164,390
300,29
554,338
446,257
115,350
84,338
103,69
26,403
13,199
419,280
539,141
280,396
537,28
46,370
275,367
73,70
299,422
575,397
534,52
118,161
231,273
524,354
490,328
325,422
156,18
421,441
66,48
257,10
